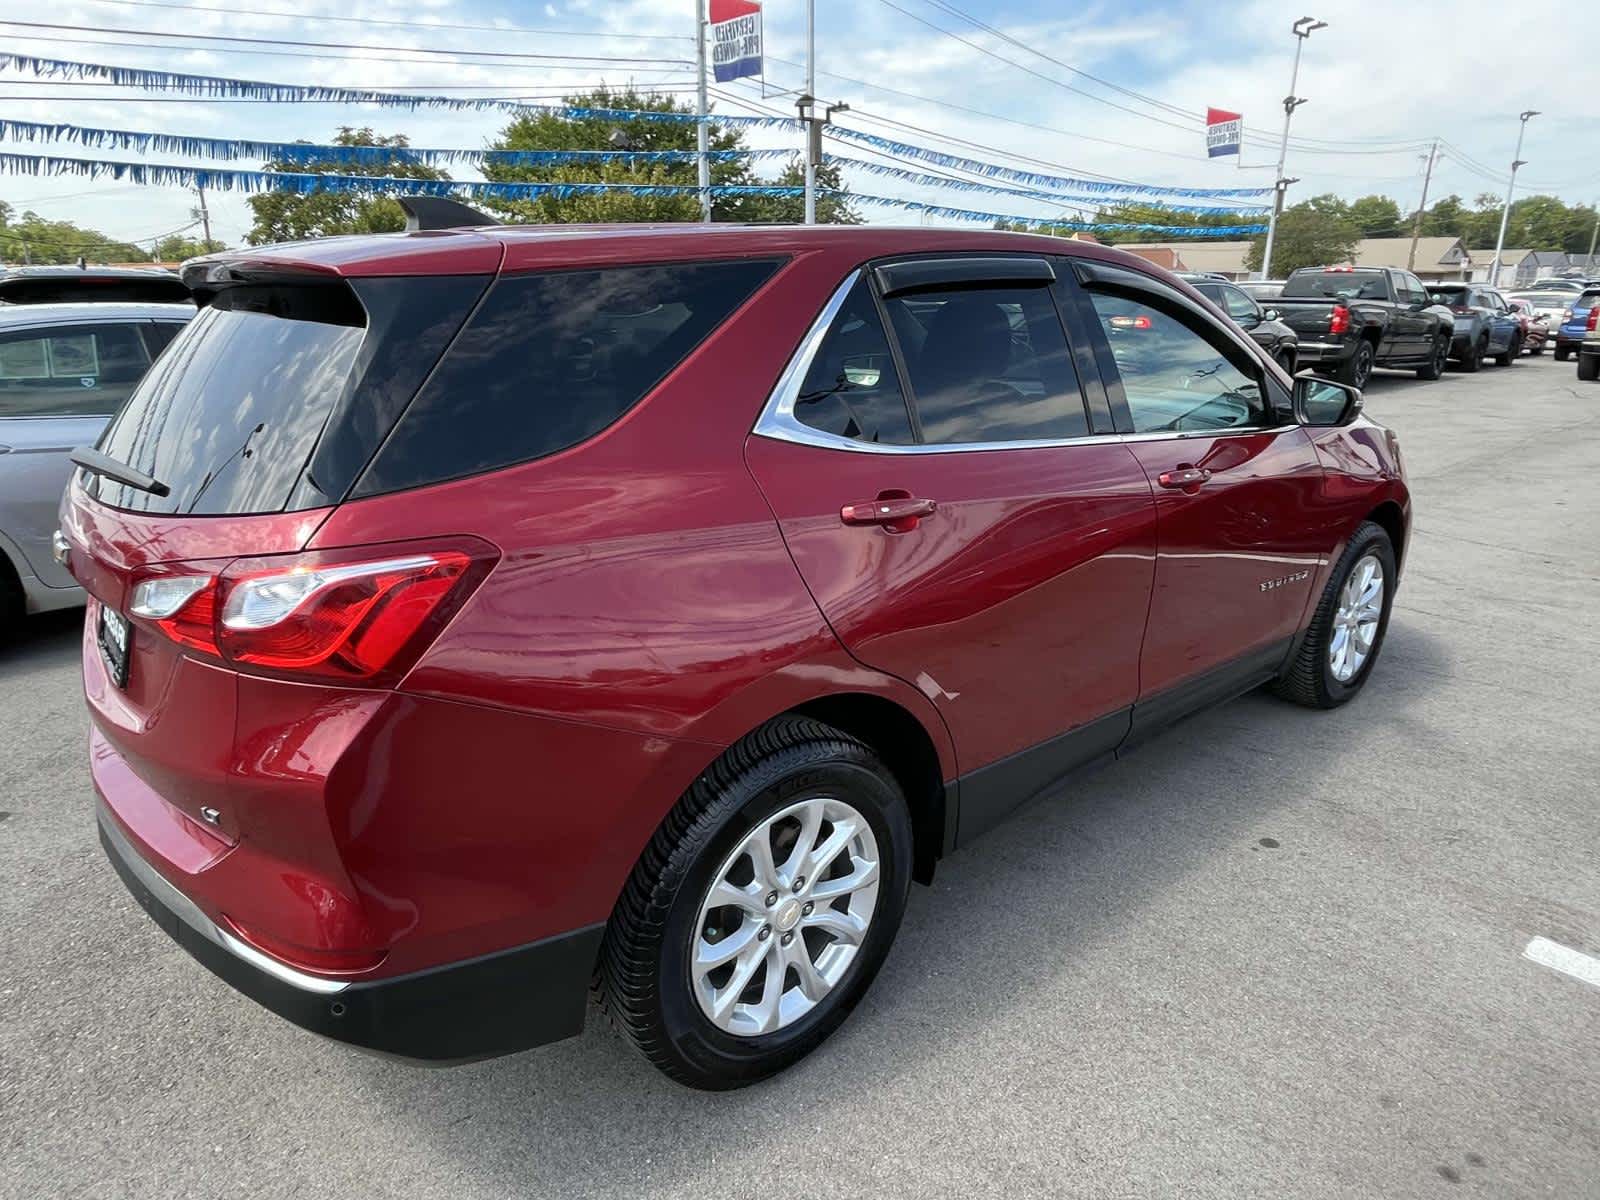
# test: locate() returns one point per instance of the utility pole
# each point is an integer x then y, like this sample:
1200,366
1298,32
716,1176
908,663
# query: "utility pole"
807,107
1588,262
205,217
813,133
1505,213
1416,226
1302,29
701,135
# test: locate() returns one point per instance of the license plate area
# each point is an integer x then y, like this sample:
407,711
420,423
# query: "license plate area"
114,634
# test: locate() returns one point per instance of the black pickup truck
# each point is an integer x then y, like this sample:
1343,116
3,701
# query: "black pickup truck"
1352,319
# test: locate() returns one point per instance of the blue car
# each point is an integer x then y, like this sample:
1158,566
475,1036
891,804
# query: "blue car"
1485,324
1569,334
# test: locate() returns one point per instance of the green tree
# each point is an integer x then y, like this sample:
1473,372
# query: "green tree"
548,131
1315,232
32,239
289,217
1377,216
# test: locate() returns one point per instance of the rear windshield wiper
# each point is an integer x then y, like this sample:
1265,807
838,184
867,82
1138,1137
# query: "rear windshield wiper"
103,464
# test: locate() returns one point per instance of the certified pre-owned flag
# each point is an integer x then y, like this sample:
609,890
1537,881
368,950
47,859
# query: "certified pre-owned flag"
735,39
1224,132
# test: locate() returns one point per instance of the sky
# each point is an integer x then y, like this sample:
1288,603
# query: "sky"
1380,82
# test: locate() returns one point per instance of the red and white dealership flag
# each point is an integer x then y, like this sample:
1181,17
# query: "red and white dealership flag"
1224,132
735,39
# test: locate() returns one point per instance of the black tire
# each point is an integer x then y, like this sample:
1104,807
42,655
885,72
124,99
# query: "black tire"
13,604
1536,351
1309,679
1473,358
644,961
1357,369
1588,367
1561,353
1512,353
1441,355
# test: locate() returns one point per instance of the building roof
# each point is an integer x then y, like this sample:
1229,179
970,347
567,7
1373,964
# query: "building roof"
1508,258
1551,258
1432,252
1225,257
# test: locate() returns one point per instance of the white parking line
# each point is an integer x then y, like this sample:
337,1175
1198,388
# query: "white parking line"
1564,959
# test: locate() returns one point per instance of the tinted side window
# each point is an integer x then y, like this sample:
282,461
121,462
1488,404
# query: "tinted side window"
988,365
549,360
1240,307
158,335
1176,377
70,370
852,389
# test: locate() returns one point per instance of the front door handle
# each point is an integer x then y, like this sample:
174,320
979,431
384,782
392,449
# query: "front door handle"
899,513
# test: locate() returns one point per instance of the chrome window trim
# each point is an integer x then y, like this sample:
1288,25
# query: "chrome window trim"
778,422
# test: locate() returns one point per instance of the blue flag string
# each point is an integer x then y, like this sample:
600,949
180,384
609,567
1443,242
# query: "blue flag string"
172,175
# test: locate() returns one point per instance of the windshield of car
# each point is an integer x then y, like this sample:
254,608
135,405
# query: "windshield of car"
1340,284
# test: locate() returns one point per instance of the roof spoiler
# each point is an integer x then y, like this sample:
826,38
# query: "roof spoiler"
438,212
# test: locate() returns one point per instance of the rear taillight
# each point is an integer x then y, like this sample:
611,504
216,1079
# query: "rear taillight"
1593,313
1339,322
361,617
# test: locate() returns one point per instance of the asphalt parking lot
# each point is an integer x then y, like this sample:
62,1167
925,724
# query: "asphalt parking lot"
1276,953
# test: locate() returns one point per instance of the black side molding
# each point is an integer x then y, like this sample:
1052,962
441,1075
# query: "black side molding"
440,212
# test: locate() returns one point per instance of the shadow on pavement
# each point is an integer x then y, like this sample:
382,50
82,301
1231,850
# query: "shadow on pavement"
1005,926
41,643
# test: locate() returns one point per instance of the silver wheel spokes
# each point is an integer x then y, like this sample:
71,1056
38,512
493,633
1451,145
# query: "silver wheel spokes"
1355,622
784,917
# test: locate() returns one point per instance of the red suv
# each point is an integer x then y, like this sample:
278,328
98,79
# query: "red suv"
482,615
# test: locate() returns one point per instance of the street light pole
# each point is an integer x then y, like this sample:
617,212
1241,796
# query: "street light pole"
1302,29
1588,262
811,129
701,138
1505,213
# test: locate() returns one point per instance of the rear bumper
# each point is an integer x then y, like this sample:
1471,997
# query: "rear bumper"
1322,353
496,1004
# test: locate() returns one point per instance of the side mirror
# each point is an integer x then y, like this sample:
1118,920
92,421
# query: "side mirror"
1271,314
1322,402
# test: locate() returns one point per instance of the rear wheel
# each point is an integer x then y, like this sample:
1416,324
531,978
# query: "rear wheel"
1536,350
1346,632
1561,353
13,605
1473,358
762,909
1357,369
1441,355
1513,352
1588,367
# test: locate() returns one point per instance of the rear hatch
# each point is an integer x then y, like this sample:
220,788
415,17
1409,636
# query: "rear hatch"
1316,301
254,423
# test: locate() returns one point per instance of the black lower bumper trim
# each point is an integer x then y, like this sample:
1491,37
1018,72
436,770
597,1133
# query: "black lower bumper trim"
478,1008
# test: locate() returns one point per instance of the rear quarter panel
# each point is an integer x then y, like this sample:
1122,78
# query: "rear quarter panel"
34,471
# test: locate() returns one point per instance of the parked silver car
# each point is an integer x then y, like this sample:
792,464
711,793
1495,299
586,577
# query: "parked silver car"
64,369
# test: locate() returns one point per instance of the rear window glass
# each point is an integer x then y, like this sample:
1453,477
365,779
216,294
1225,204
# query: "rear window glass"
95,289
70,370
551,359
1343,285
232,409
1447,296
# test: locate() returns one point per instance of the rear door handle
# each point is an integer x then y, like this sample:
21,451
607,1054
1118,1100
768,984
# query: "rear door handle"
1183,477
901,513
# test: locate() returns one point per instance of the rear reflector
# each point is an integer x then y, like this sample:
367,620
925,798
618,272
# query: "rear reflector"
353,616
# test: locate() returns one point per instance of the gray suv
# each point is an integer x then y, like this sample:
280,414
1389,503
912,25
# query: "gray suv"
64,369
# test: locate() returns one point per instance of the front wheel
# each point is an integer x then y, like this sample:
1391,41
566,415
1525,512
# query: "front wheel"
1346,632
762,909
1357,369
1536,351
1441,354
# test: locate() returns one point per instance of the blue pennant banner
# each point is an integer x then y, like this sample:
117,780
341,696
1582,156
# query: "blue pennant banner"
1032,178
171,175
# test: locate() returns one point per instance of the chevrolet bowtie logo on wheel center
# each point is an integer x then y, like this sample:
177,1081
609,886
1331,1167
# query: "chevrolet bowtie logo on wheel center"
788,915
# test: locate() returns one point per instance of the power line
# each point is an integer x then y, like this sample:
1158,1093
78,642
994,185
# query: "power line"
430,26
239,38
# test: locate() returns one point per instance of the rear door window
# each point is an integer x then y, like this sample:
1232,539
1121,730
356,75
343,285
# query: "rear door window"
551,359
988,365
1240,307
70,370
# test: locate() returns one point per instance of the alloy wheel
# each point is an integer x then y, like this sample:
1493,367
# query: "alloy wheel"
1355,623
784,917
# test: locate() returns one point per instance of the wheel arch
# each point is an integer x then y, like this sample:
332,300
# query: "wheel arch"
1392,520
